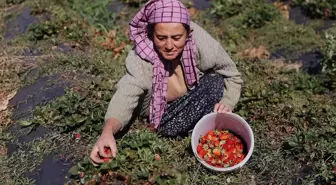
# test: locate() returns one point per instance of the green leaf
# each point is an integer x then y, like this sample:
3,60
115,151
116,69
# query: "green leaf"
25,123
78,118
105,166
74,170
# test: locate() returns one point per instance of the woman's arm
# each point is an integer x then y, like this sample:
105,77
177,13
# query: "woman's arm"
128,90
212,55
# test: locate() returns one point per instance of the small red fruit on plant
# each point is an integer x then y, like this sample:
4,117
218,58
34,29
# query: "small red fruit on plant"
77,136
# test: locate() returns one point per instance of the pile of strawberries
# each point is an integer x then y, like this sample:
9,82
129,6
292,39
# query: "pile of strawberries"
220,148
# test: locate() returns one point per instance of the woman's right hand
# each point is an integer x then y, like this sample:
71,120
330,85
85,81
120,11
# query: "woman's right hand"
106,139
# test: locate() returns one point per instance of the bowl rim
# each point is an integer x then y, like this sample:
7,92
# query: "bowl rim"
224,169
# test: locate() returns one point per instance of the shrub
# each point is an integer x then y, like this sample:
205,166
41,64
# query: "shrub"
329,60
96,13
44,30
317,8
227,8
259,16
14,1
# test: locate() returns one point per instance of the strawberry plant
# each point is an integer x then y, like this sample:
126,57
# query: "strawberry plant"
258,16
227,8
83,112
317,144
317,8
45,30
137,162
96,13
14,1
329,60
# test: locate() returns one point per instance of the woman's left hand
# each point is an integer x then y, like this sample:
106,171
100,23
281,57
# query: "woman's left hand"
220,108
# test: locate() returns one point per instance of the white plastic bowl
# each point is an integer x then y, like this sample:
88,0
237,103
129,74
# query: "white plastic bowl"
229,121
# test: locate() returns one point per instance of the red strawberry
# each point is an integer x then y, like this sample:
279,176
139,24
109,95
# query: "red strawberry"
239,155
211,132
157,157
209,137
232,150
77,136
203,140
226,161
231,157
107,150
239,148
215,138
199,148
224,136
216,151
230,142
202,153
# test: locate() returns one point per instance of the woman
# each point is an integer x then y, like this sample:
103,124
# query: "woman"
177,73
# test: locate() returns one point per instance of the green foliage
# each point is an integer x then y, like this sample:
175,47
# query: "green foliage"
289,36
136,162
289,100
317,8
254,13
96,13
227,8
92,14
45,30
81,112
284,107
14,1
74,30
70,28
329,60
317,144
258,16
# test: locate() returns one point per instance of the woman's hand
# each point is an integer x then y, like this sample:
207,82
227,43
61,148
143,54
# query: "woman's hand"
106,139
220,108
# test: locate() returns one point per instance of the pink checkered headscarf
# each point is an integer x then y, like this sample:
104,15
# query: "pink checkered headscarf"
162,11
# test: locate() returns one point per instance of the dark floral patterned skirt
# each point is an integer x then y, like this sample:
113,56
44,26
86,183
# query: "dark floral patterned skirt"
185,112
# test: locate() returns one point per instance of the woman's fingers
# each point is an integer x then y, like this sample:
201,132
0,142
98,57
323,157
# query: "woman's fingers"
223,109
95,156
102,151
220,108
216,107
113,147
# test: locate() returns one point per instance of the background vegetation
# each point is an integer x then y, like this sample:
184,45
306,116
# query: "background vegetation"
291,112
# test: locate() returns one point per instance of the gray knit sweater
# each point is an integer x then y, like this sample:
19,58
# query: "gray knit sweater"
134,89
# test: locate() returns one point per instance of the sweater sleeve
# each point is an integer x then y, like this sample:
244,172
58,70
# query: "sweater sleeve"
128,91
213,56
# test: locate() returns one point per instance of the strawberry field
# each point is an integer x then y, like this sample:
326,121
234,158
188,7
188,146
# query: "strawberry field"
61,59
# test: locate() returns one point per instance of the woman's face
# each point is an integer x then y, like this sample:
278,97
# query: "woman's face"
169,39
